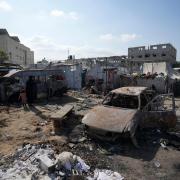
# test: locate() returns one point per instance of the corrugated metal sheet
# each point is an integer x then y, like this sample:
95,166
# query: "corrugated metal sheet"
12,72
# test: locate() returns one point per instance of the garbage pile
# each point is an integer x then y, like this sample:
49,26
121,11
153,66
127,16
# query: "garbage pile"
27,161
83,95
85,101
36,162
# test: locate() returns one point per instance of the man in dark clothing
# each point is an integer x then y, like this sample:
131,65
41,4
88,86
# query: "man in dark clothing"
31,89
34,89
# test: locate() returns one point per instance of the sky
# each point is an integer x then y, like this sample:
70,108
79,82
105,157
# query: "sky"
90,28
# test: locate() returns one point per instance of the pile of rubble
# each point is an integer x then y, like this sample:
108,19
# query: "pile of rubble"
84,101
40,162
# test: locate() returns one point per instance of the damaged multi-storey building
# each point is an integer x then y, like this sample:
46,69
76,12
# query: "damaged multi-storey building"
154,65
17,52
153,53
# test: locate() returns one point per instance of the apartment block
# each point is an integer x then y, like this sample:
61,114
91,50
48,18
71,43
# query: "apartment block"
17,52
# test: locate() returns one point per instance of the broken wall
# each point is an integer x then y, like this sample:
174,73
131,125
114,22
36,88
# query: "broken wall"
99,72
159,83
73,75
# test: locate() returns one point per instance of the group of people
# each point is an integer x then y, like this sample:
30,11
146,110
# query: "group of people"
54,84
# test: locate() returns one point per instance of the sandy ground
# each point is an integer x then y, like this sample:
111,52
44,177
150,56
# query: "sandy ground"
19,126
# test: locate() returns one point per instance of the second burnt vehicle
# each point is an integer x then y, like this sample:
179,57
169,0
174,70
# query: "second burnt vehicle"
124,109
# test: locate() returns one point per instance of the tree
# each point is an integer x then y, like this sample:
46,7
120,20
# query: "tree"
3,56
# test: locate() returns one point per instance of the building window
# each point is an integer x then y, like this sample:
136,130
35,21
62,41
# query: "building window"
154,47
154,55
147,55
164,47
140,56
163,55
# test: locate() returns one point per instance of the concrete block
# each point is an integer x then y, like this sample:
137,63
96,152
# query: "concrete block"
46,164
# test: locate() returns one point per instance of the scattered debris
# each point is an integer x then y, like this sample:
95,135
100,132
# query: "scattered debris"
77,135
71,145
91,159
46,164
157,164
35,159
25,162
164,143
103,174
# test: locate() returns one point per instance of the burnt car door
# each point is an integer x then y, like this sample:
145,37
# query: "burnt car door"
159,112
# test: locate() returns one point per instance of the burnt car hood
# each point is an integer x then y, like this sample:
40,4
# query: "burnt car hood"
112,119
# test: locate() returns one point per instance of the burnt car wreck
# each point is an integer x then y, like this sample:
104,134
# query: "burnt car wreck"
125,109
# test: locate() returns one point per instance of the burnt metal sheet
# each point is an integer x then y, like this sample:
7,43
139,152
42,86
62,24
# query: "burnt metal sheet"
159,119
133,91
112,119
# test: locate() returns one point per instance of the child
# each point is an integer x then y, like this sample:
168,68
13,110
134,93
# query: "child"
23,97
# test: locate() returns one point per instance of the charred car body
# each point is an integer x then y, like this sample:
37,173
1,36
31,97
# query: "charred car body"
126,108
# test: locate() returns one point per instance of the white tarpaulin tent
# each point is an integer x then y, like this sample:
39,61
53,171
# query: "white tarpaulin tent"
161,67
155,68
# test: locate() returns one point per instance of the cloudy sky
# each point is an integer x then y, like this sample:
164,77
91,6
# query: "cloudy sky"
90,28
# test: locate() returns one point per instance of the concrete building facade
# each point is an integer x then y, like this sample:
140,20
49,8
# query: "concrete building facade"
88,63
153,53
17,52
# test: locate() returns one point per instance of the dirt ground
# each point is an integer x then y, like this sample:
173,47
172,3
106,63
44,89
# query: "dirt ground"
19,126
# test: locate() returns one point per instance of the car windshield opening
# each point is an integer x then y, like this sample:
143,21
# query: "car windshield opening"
121,100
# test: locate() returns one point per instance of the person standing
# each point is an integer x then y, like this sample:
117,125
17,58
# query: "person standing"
29,90
49,86
23,97
34,89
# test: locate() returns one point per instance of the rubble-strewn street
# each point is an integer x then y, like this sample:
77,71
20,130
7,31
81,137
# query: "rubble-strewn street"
29,148
89,90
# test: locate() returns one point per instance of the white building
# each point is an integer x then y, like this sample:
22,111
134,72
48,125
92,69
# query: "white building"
17,52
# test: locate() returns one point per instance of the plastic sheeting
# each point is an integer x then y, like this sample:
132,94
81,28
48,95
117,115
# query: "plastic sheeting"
161,67
104,174
155,68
